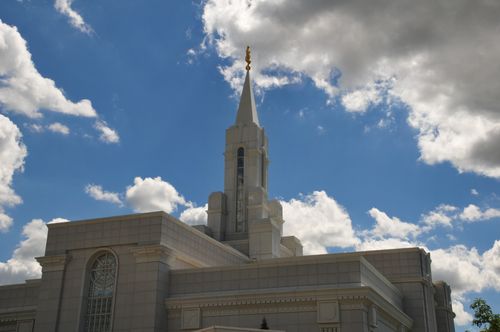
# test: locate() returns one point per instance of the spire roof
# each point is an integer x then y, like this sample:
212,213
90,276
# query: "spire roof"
247,113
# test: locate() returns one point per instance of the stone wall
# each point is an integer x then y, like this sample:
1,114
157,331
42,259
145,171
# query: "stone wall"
18,305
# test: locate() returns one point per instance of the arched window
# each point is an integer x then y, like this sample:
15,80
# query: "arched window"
263,173
100,293
240,161
240,191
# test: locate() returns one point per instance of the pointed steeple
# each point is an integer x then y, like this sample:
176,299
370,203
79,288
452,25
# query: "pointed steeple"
247,113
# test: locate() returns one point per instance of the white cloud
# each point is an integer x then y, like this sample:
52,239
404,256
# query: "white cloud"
5,222
473,213
195,215
57,220
391,227
57,127
22,265
320,130
12,155
153,194
440,63
466,271
328,223
97,193
359,100
462,317
34,127
474,192
370,243
108,135
76,20
443,215
23,89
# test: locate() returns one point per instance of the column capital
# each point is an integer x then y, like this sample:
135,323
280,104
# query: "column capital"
153,253
53,262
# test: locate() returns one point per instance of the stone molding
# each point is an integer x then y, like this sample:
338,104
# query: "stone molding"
190,318
352,298
153,253
18,314
53,262
426,281
328,312
259,309
273,296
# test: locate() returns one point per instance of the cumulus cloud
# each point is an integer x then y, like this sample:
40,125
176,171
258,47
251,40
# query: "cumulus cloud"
361,99
97,193
12,155
153,194
474,213
440,59
464,269
57,127
107,135
75,19
23,89
443,215
22,265
391,227
328,223
462,317
195,215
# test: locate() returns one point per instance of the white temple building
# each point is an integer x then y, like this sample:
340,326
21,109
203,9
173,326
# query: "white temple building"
151,272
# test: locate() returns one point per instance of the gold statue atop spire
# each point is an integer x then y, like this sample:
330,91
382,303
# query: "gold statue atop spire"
247,59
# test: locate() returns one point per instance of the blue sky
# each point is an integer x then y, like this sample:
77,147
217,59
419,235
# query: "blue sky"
383,126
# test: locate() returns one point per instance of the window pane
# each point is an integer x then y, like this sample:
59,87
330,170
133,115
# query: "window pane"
100,295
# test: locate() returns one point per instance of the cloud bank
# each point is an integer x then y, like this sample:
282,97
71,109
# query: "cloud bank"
12,155
439,58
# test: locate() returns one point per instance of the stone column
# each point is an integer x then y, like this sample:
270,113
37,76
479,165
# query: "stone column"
51,287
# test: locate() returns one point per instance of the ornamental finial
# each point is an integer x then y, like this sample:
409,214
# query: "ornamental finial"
247,58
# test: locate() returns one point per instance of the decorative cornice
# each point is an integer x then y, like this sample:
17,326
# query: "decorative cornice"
54,262
352,298
257,309
238,298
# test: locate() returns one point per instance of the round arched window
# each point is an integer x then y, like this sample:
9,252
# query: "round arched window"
101,287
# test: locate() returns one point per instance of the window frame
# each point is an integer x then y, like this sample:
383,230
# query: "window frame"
86,286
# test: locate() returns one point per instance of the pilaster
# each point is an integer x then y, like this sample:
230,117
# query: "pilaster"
49,301
153,264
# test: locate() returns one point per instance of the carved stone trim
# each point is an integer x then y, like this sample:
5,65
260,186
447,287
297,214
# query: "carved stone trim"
53,263
372,317
245,301
190,318
328,312
329,328
258,309
153,253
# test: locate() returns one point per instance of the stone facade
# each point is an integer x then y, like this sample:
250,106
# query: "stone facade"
150,272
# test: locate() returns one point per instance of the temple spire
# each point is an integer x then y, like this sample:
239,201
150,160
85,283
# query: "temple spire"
247,113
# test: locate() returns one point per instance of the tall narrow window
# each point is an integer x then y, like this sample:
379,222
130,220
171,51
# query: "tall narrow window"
263,170
101,286
240,191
